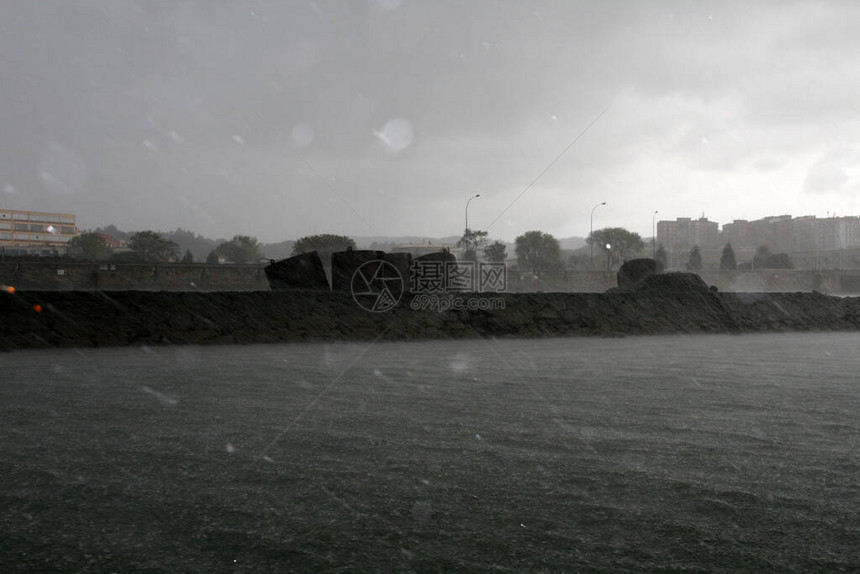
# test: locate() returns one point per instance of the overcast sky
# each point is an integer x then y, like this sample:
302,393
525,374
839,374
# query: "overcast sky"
383,117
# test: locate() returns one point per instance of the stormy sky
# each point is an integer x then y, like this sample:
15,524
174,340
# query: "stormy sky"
383,117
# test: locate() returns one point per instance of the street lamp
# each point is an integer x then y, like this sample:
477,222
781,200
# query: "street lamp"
467,208
653,237
609,257
591,231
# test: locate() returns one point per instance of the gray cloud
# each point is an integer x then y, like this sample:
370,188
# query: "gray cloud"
157,115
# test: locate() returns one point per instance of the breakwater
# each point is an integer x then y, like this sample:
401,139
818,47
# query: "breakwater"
67,275
39,319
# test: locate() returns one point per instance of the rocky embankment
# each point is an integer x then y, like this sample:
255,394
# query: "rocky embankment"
38,319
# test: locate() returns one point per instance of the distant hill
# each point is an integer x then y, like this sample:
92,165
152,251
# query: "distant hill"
280,250
572,243
383,242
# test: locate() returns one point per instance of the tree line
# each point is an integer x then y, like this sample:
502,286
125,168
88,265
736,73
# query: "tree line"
153,247
763,259
537,252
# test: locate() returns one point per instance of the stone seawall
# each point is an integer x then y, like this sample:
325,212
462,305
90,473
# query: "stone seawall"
39,319
70,275
64,275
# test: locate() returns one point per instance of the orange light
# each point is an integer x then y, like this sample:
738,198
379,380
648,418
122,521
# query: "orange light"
37,308
10,289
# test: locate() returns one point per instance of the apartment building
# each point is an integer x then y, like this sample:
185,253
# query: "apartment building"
35,232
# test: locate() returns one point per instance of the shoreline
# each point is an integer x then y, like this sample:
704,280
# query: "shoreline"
56,319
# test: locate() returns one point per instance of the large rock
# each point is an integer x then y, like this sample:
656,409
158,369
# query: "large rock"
633,271
303,272
671,283
344,265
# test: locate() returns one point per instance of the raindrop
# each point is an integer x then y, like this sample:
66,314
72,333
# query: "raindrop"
239,139
302,135
61,170
149,145
10,189
396,134
175,136
459,363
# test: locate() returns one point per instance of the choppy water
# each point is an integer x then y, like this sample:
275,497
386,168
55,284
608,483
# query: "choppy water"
707,453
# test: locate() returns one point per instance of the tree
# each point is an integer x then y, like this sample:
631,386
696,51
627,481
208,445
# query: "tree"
662,257
779,261
89,246
495,252
324,244
762,253
727,260
619,240
538,251
764,259
240,249
194,242
212,258
151,247
470,242
695,262
579,261
112,231
188,257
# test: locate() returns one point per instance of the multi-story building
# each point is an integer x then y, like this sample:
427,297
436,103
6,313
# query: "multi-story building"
685,233
35,232
809,241
680,236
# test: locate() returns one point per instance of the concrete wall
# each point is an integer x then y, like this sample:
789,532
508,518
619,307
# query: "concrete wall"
61,275
839,282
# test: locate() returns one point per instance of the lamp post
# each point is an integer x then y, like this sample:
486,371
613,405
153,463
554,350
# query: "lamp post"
467,208
591,229
653,237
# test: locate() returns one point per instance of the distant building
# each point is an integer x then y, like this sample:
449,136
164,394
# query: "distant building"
35,232
684,233
680,236
113,242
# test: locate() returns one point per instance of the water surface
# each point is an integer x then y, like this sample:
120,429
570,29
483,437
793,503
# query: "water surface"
713,453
